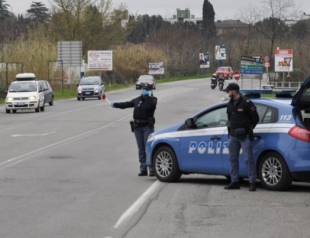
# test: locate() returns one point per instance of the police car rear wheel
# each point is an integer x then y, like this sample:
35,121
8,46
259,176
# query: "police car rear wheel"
166,165
274,173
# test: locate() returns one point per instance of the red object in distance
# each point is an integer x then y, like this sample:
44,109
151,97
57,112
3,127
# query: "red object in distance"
103,96
236,75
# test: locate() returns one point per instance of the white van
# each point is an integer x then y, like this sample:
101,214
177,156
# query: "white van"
24,93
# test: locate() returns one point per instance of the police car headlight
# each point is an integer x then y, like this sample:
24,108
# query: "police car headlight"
32,98
9,99
151,137
79,89
96,89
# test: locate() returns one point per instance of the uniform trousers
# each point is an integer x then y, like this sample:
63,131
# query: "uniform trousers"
142,134
247,149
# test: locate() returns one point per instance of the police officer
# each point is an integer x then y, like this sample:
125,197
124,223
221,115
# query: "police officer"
242,119
143,122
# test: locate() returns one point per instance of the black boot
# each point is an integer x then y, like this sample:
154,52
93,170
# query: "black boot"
234,185
252,187
142,173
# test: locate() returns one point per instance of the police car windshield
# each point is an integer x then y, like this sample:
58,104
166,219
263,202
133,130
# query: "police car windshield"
89,81
23,87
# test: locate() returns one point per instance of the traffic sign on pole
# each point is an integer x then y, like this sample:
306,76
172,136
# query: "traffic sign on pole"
236,75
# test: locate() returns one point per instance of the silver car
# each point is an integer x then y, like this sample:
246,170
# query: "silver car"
90,87
146,79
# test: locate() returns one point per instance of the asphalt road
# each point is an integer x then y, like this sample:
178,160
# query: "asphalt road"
71,172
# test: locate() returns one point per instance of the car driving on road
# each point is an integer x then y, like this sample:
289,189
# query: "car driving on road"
25,93
225,71
48,92
200,144
90,87
146,79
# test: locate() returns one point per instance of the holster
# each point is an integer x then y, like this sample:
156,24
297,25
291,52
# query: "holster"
133,126
241,133
251,134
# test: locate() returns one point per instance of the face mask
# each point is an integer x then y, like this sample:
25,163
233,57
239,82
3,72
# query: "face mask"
145,92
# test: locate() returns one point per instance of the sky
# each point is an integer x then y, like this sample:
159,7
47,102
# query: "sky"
224,9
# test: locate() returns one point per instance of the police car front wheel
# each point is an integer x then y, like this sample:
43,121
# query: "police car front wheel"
166,165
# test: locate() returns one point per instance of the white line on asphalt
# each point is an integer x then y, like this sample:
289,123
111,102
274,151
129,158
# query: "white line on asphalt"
45,134
23,157
136,206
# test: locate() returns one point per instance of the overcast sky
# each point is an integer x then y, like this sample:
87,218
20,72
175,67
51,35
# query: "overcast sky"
224,9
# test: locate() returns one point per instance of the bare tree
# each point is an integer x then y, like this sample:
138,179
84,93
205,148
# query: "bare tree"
269,22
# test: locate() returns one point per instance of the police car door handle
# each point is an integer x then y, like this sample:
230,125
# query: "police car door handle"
216,138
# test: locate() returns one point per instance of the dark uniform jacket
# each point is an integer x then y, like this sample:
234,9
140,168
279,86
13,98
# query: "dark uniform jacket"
144,108
241,115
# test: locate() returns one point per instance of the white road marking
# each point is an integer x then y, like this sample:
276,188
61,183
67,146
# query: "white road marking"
20,135
23,157
136,206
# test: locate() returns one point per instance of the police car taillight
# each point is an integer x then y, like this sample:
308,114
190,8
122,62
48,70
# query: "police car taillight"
300,133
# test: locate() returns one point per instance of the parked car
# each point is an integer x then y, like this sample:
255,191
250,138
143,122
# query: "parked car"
146,79
48,92
90,87
200,144
25,93
226,71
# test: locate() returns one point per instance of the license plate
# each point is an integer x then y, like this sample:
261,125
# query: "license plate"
87,92
20,103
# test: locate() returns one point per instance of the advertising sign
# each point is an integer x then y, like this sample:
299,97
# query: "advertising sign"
220,52
100,60
283,60
156,68
204,60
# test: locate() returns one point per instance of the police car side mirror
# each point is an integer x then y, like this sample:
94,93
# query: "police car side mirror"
190,123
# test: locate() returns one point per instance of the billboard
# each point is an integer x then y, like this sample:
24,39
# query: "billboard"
100,60
283,60
156,68
220,52
204,60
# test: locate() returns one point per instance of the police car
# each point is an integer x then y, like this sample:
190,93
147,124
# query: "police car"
200,144
25,93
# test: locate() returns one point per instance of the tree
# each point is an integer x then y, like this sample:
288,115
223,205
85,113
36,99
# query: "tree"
208,16
67,18
269,22
144,26
4,12
38,12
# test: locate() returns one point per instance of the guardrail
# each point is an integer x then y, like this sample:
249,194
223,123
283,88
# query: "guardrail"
294,85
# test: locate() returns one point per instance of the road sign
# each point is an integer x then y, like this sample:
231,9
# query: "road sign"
236,75
266,59
267,64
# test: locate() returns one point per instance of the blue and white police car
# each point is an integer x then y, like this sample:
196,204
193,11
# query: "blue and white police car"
200,144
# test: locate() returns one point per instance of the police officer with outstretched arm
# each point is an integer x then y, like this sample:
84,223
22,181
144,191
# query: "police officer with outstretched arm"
143,122
242,119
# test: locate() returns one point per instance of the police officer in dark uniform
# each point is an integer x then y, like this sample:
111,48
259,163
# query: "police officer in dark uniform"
143,122
242,119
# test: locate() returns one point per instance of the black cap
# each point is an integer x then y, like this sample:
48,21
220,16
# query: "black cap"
232,86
